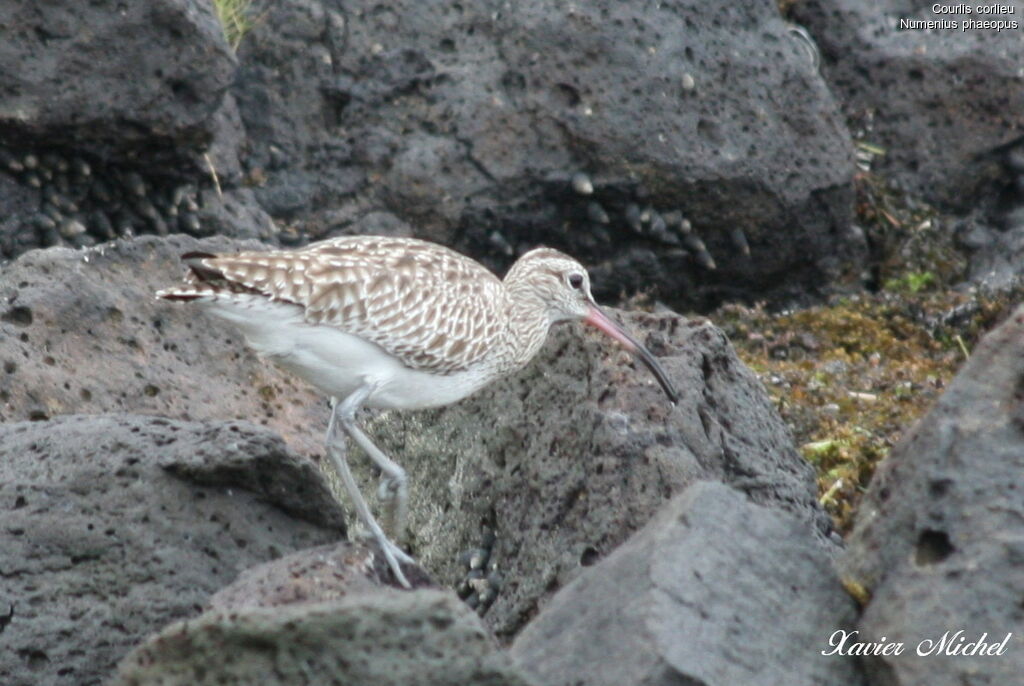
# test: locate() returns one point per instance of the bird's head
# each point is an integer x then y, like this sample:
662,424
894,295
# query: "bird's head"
561,286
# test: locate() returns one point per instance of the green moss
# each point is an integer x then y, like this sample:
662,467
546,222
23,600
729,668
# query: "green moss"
851,376
911,282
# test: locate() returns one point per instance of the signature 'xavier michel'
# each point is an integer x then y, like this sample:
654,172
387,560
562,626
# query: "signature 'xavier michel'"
394,323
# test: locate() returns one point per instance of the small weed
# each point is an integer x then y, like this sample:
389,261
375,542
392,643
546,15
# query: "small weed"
911,282
235,18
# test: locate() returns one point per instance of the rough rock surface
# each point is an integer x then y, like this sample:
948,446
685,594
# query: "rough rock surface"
714,590
116,119
317,574
110,77
102,543
81,332
943,103
938,541
565,460
422,638
468,121
19,203
994,243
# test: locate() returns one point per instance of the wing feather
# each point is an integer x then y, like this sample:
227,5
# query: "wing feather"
429,306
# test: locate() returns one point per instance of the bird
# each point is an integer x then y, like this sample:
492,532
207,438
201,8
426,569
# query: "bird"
395,323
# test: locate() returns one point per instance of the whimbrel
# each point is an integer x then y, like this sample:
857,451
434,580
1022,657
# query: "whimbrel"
394,323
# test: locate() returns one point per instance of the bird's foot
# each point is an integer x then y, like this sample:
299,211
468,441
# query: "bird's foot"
395,557
400,554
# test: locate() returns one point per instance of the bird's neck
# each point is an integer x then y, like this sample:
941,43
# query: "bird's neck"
527,324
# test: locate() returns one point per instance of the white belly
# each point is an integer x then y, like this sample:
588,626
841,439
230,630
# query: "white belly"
338,363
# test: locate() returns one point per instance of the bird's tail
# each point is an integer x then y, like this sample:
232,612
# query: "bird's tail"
201,281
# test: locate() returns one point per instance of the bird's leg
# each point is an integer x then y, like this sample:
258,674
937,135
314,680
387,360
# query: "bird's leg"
344,413
393,490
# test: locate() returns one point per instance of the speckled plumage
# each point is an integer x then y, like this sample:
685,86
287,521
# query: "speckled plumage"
432,308
396,323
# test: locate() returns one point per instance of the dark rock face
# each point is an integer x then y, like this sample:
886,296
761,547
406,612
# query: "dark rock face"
706,137
469,120
567,459
111,77
103,541
81,332
938,541
996,248
422,638
114,117
714,590
20,203
942,103
70,199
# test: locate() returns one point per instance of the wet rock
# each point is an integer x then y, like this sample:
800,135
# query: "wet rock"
422,638
597,214
108,536
695,598
938,542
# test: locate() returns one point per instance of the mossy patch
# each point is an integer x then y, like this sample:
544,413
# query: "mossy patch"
851,376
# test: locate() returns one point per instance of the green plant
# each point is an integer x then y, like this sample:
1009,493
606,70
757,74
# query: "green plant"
235,18
911,282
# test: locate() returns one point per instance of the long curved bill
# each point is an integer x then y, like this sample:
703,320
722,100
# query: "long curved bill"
595,317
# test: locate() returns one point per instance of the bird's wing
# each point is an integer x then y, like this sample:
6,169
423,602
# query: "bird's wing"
430,307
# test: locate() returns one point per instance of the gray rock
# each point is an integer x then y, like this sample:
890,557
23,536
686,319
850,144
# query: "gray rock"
996,253
422,638
317,574
81,332
567,459
942,102
469,120
102,544
938,540
21,206
117,107
564,461
234,213
227,140
113,78
714,590
288,196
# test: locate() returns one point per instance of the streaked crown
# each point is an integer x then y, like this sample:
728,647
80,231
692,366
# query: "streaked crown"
551,279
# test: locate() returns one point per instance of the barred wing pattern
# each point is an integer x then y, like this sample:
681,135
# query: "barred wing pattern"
430,307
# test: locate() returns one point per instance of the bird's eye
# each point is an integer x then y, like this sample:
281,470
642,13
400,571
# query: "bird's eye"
576,281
